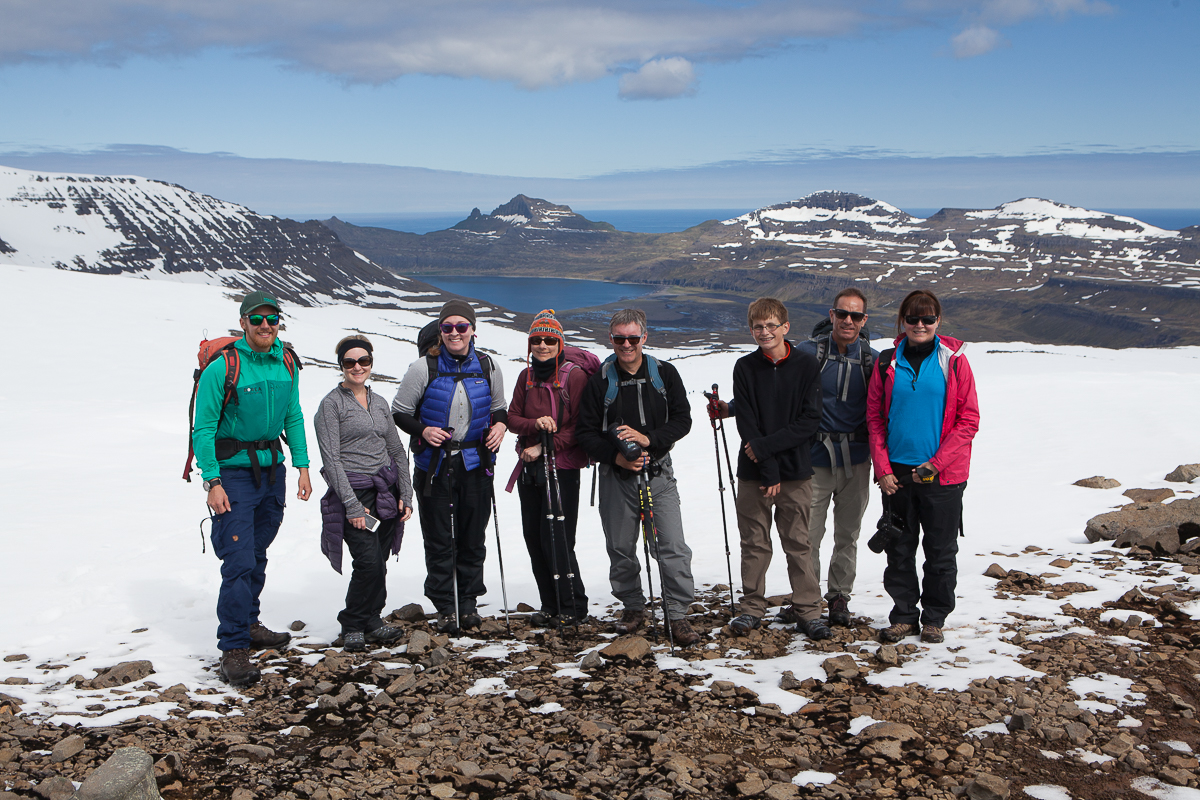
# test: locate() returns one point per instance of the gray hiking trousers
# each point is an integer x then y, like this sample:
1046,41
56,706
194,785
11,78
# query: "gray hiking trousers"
849,497
619,516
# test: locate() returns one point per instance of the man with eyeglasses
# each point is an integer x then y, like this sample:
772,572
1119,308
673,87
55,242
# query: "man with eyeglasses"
240,457
637,399
840,455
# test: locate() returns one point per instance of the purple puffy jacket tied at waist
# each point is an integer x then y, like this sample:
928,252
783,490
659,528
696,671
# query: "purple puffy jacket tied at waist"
333,511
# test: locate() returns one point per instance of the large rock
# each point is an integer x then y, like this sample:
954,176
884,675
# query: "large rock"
1111,524
1161,540
888,730
1184,473
121,674
988,787
1144,496
127,775
1097,482
634,648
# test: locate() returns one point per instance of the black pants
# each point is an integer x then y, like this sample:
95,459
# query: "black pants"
543,549
937,511
367,593
471,494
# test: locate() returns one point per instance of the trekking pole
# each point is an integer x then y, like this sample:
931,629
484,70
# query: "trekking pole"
500,555
721,488
550,518
453,539
562,524
651,531
728,463
646,549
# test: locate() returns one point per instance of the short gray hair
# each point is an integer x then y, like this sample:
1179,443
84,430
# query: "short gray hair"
627,315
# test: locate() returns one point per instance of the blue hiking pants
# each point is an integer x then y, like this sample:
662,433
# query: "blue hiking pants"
240,538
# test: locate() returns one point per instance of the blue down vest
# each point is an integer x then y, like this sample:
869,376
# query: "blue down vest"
435,405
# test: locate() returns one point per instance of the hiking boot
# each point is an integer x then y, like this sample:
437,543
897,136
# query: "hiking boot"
563,621
236,670
470,621
354,642
631,619
541,619
788,615
894,633
932,634
384,634
446,623
839,611
815,629
683,633
261,637
741,626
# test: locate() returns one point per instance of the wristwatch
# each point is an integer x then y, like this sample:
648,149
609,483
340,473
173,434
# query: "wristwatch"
208,485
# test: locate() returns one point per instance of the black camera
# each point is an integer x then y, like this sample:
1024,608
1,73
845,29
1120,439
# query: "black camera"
629,450
887,530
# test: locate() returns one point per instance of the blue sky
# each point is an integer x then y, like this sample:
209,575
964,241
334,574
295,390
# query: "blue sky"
569,90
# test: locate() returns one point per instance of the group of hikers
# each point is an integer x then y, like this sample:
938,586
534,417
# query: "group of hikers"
812,419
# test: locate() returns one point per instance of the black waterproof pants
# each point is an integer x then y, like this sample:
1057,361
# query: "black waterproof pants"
367,593
471,493
542,550
936,512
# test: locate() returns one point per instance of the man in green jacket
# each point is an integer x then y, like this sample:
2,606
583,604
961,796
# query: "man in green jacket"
240,458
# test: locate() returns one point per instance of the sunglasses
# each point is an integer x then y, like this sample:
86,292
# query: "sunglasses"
365,361
623,340
257,319
841,313
536,340
924,319
460,327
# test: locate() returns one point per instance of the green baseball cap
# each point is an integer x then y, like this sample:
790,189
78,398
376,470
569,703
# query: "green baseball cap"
256,299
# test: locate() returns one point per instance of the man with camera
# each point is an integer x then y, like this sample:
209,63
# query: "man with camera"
632,412
840,454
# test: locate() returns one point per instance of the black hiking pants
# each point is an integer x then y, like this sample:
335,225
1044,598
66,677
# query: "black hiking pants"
367,593
472,496
931,517
542,551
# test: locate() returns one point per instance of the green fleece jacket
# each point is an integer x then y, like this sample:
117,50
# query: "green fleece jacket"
268,404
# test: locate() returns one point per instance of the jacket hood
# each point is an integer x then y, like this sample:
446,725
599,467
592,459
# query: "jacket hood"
954,345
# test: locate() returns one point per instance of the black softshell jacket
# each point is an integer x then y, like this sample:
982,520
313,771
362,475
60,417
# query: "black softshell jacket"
778,413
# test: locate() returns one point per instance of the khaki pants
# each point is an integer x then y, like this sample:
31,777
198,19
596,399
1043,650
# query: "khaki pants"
850,497
792,506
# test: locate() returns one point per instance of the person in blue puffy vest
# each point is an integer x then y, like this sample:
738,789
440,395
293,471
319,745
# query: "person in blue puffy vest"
452,402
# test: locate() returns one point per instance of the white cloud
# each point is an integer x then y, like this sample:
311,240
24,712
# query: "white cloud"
660,79
530,43
975,41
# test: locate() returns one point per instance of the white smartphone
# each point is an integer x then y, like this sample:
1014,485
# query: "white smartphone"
372,523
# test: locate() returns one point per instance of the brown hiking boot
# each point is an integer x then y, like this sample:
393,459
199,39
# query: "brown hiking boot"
788,615
932,634
262,637
683,633
894,633
236,670
631,619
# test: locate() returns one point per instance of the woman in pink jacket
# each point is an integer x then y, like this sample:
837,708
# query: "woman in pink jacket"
922,414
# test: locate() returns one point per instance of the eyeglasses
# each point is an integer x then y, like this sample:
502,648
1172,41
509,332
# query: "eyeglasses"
623,340
459,327
855,316
536,340
924,319
365,361
257,319
767,327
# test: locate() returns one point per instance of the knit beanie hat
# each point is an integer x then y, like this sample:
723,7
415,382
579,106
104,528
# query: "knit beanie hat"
457,308
545,324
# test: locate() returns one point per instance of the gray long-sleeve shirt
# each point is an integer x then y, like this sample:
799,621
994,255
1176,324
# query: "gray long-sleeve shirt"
356,439
416,381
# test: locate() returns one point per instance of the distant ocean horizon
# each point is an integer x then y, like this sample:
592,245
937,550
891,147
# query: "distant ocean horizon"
677,219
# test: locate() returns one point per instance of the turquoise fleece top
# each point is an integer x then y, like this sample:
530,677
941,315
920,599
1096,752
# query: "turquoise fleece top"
268,404
914,430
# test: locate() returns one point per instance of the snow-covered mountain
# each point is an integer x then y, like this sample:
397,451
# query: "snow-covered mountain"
529,214
126,224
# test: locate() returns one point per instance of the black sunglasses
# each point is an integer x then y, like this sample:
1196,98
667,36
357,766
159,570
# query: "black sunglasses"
459,327
365,361
620,340
542,340
257,319
924,319
841,313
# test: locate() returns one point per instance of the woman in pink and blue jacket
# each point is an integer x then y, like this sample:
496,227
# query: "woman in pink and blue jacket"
922,414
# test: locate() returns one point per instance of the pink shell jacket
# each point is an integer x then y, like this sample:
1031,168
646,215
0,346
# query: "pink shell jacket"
959,424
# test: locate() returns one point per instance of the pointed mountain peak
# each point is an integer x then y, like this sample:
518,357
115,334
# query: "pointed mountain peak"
525,212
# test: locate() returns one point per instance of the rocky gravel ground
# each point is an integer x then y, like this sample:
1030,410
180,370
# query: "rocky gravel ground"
579,714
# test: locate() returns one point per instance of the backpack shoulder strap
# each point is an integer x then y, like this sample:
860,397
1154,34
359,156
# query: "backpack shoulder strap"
233,371
866,361
655,378
822,351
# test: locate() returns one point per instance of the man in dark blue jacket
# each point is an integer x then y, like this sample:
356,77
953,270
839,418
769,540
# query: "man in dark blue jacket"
777,391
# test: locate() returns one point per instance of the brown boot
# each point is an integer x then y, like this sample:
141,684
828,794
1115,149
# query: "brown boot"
631,620
262,637
683,633
236,670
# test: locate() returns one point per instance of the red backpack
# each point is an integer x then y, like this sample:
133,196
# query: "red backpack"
209,351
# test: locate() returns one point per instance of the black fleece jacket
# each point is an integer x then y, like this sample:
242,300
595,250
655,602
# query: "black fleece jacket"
778,412
662,429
